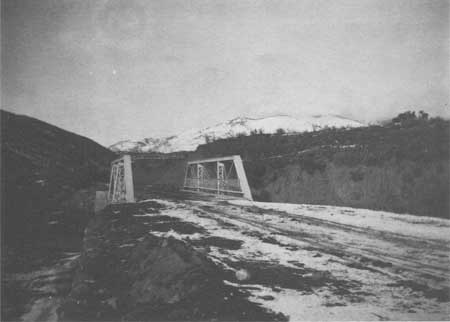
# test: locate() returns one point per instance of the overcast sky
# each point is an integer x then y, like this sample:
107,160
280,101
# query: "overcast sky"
113,70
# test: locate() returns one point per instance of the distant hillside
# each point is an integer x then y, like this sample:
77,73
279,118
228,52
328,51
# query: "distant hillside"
190,140
41,165
402,166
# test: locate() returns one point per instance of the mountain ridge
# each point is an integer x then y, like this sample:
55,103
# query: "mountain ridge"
191,139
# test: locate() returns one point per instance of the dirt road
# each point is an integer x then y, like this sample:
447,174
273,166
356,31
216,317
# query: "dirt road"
322,262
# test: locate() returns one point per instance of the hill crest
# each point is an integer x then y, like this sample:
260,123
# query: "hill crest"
191,139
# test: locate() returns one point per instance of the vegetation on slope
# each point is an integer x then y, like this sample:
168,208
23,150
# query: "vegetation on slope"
418,139
416,145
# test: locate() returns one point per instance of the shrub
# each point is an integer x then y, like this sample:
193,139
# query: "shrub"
280,131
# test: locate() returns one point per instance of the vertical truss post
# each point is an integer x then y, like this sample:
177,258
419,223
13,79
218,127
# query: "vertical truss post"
186,175
110,191
199,176
217,176
110,180
121,188
116,169
220,175
128,178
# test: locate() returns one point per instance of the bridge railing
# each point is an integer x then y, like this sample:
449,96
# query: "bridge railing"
216,185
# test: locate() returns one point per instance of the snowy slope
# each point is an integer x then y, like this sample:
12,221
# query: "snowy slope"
189,140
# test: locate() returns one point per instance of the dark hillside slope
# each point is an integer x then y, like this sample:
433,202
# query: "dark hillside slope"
158,172
400,167
41,166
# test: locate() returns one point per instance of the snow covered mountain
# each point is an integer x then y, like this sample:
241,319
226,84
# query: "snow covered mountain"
189,140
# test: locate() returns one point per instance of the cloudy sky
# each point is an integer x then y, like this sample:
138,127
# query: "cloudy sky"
113,69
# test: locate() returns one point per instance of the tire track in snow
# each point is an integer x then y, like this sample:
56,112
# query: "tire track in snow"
439,273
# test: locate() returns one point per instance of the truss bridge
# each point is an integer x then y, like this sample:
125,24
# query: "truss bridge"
224,175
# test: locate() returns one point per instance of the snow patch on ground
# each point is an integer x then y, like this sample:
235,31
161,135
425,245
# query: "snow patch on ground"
409,225
174,234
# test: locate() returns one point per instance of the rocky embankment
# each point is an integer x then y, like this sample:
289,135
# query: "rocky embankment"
128,271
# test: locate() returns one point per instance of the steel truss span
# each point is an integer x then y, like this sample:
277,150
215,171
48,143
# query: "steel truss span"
121,181
223,176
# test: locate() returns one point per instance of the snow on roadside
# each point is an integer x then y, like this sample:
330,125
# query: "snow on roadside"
323,306
381,302
174,234
308,308
252,247
409,225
